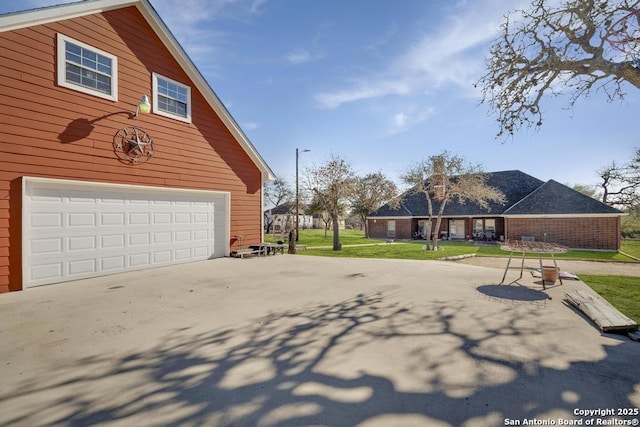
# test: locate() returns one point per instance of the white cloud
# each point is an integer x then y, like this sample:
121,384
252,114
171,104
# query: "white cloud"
452,54
362,90
408,118
250,126
399,120
299,56
191,21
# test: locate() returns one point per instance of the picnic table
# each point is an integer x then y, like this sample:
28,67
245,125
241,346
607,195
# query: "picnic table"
528,247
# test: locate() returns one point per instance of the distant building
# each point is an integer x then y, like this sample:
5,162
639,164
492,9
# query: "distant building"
283,218
542,211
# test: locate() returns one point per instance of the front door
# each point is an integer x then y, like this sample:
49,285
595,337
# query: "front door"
456,228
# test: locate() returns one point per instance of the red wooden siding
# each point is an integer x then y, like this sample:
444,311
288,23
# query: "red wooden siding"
55,132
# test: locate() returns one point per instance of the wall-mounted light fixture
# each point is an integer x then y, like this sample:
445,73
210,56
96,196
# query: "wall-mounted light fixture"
143,107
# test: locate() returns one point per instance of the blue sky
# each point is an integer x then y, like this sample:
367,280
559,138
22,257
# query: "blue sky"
381,83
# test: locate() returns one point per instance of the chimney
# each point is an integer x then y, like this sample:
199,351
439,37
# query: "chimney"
438,178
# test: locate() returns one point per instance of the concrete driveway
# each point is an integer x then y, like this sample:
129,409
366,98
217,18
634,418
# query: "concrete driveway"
297,341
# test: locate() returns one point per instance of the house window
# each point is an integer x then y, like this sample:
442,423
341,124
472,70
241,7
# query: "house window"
391,229
86,69
171,98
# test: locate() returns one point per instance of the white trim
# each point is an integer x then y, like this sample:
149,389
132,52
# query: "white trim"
28,180
603,215
133,187
155,105
45,15
61,68
567,216
392,217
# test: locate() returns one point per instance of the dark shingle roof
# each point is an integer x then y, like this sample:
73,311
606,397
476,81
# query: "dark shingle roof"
283,209
523,194
553,198
514,184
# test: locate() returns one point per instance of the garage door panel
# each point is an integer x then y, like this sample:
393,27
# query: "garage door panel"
114,263
81,267
46,246
46,220
73,230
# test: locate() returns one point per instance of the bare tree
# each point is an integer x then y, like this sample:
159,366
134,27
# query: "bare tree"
369,192
331,185
316,208
277,192
577,48
445,177
621,183
587,190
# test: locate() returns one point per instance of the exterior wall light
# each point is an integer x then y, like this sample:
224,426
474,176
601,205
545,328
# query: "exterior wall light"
143,107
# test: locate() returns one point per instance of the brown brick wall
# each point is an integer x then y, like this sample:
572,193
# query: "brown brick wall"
378,228
586,233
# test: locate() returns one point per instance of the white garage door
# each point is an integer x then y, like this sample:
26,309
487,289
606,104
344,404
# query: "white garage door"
74,230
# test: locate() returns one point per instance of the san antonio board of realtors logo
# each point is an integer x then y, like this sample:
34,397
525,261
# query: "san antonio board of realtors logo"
133,145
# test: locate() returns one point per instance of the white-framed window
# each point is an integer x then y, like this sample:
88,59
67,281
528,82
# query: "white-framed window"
391,228
86,69
171,98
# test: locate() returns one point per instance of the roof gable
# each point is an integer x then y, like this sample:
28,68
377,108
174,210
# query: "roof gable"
17,20
553,198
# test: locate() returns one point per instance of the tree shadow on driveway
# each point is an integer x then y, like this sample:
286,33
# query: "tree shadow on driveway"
368,360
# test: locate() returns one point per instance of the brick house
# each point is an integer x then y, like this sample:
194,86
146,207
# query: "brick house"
545,211
90,182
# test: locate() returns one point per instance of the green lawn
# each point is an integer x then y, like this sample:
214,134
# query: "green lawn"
317,238
623,292
631,247
397,250
375,248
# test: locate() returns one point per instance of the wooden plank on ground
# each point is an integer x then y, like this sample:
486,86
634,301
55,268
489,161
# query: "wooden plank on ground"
603,314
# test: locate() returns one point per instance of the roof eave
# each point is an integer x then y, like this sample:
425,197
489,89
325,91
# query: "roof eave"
566,215
45,15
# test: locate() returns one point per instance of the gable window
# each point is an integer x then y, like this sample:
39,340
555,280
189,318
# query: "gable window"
86,69
171,98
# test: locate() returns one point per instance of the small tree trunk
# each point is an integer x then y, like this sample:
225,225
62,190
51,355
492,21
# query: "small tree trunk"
337,246
366,227
438,223
437,232
427,234
292,242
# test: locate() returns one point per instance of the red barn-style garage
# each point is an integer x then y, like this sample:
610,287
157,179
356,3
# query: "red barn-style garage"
115,153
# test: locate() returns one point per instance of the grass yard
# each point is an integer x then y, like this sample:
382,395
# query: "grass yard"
317,238
623,292
631,247
397,250
375,248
